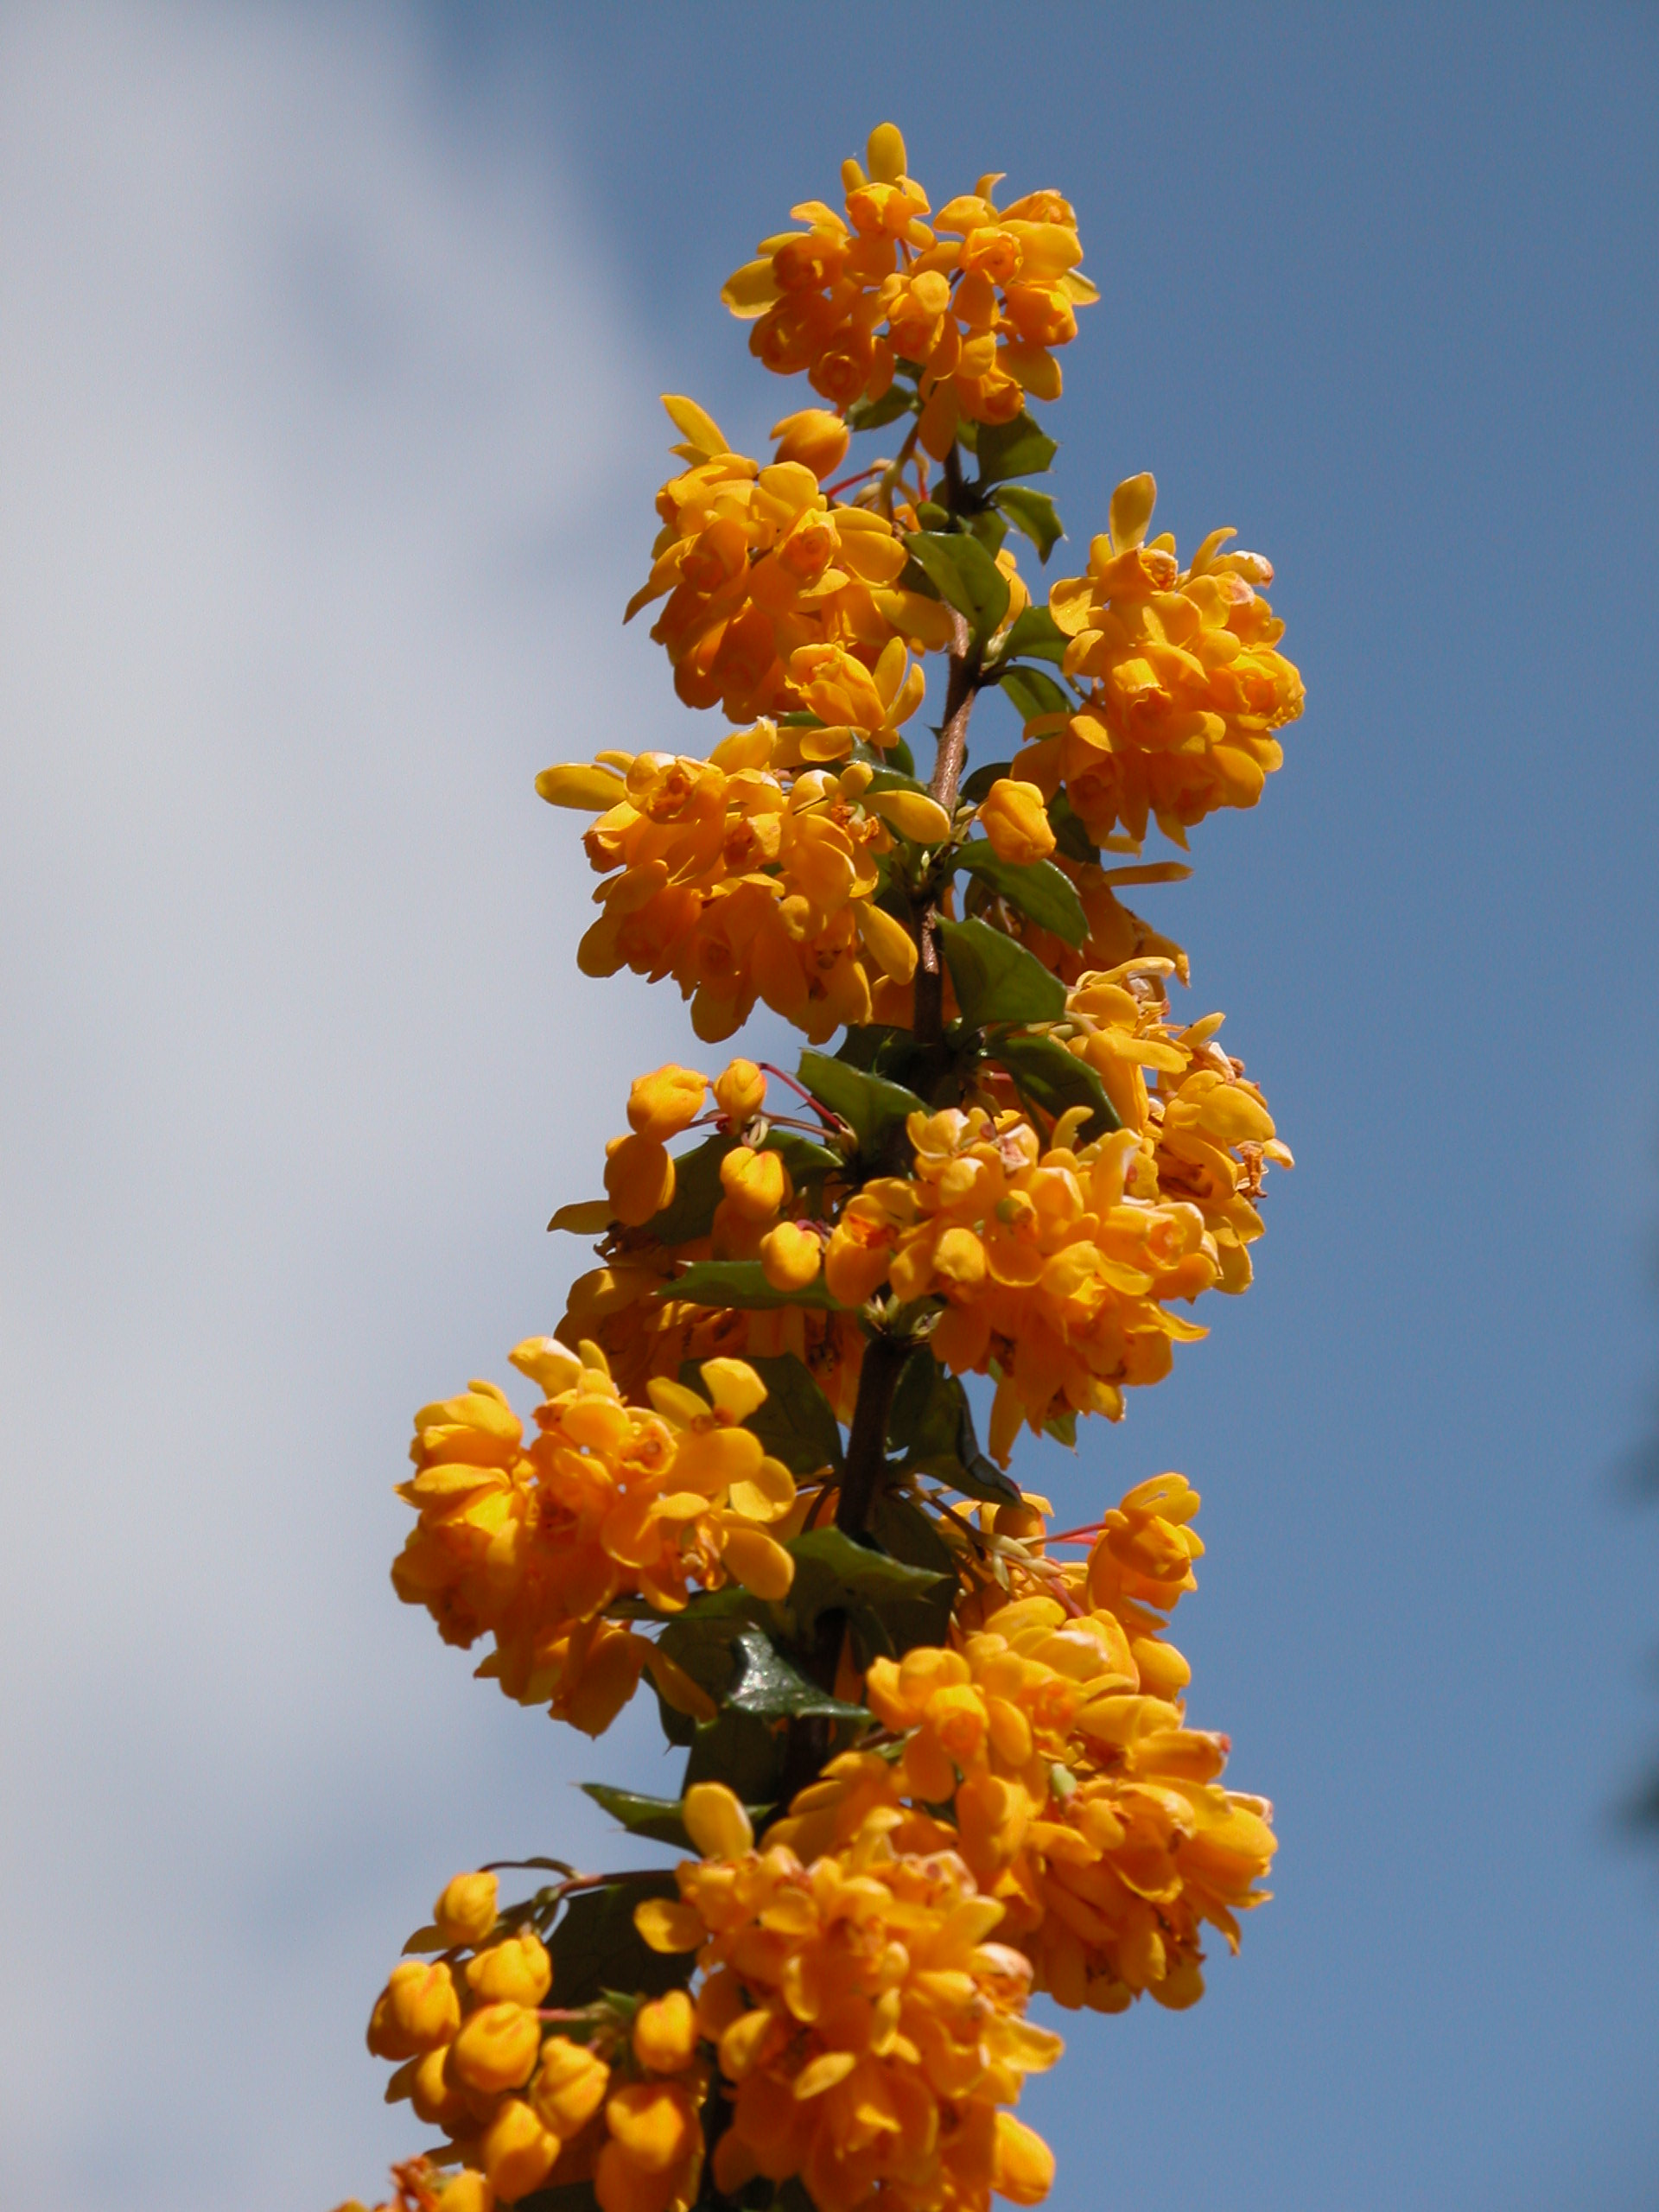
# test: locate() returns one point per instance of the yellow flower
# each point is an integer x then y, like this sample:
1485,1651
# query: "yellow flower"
530,1542
465,1913
1014,816
815,438
1185,686
418,2010
518,2152
756,563
977,314
869,2029
1058,1260
754,874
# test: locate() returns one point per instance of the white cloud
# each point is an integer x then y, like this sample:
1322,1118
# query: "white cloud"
308,400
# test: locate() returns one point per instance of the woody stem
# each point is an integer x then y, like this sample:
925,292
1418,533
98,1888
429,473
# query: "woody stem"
948,764
866,1444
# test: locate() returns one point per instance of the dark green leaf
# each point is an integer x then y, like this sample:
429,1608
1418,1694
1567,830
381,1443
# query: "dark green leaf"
876,414
832,1569
1033,692
659,1819
808,1162
745,1744
932,1424
964,574
739,1283
870,1105
1048,1077
795,1421
1034,513
1038,888
691,1212
597,1947
1070,835
899,1625
1037,636
895,779
901,1525
1016,448
989,528
978,785
997,980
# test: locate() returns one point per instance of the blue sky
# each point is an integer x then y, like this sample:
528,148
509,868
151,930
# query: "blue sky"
332,338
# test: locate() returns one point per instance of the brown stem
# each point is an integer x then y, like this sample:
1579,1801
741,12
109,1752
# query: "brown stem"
866,1444
948,764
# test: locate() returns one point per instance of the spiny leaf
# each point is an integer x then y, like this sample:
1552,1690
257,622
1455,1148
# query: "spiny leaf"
997,980
964,574
795,1421
1034,692
659,1819
870,1104
597,1947
1038,888
932,1424
1032,513
832,1569
742,1284
1049,1077
1036,635
1016,449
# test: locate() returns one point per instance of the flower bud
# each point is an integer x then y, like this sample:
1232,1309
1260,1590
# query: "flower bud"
570,2086
638,1178
666,2033
815,437
791,1255
465,1912
496,2048
741,1092
467,2192
716,1821
654,2124
754,1182
418,2010
660,1105
516,1972
1023,2164
518,2151
433,2097
1015,819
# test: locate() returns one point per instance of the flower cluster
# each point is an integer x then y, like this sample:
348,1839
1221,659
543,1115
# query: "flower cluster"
975,305
1055,1733
530,1543
755,562
751,875
1184,684
520,2107
1058,1260
872,2034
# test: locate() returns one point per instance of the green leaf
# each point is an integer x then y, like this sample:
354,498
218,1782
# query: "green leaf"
978,785
997,980
899,1625
745,1745
742,1284
1016,448
990,528
932,1424
1035,693
808,1162
596,1946
1038,888
1032,513
691,1212
1037,636
833,1570
795,1422
870,1105
659,1819
1048,1077
876,414
964,575
1070,835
